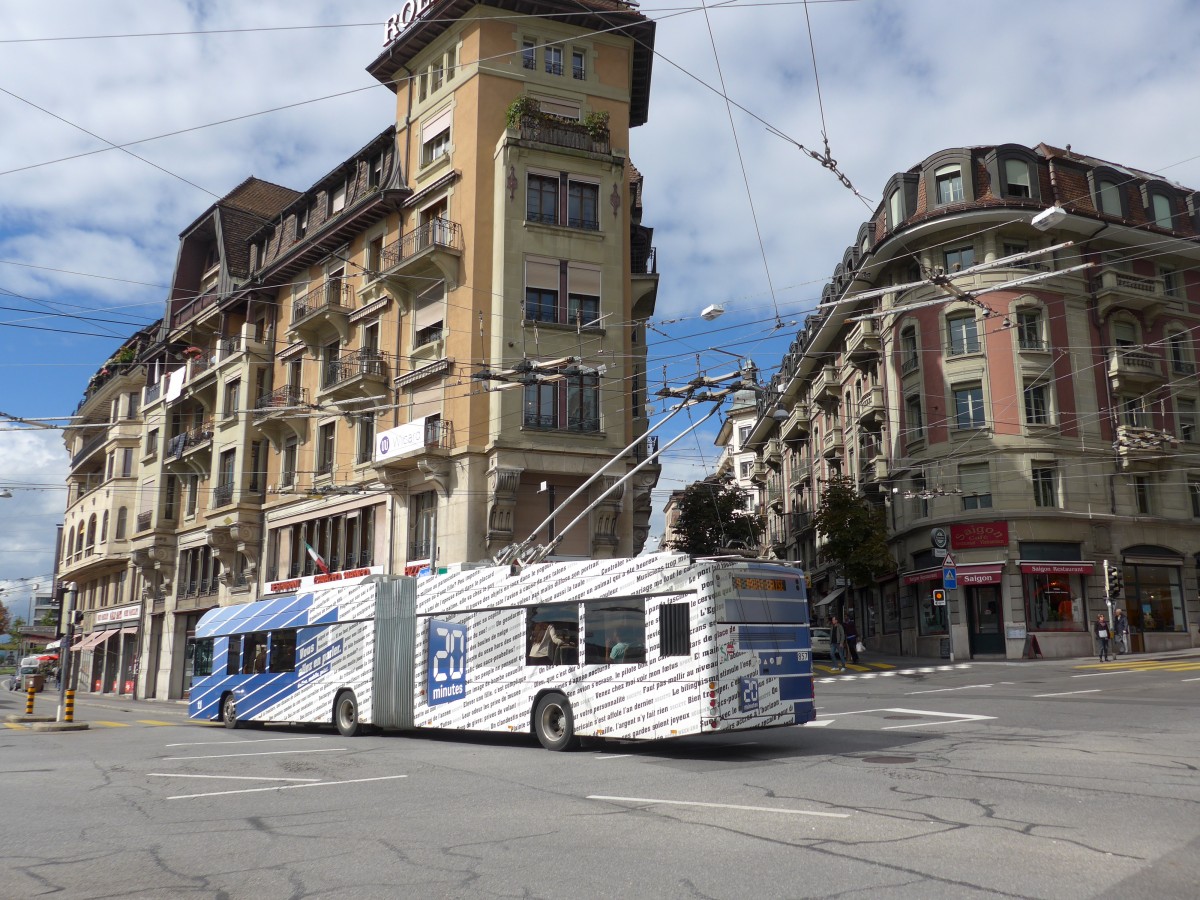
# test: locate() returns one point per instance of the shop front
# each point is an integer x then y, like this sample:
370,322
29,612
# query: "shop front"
978,602
108,654
1057,611
1153,599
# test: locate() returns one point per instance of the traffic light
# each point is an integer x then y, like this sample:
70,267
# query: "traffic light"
1116,581
939,597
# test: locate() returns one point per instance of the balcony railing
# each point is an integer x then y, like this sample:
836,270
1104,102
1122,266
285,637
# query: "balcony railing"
193,308
90,445
434,233
646,448
644,262
560,132
419,549
152,392
143,521
222,495
366,362
333,296
281,398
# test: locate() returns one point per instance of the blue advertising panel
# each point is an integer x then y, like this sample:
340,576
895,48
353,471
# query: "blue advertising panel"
447,662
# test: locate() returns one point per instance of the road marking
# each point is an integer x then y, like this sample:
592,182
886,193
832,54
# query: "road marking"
109,724
1189,679
286,787
770,809
943,690
269,753
1116,672
613,756
226,743
1069,693
228,777
956,718
155,722
817,723
16,726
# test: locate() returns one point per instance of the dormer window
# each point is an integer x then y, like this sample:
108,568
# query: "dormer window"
1018,182
1160,209
1108,197
895,208
337,199
949,184
301,223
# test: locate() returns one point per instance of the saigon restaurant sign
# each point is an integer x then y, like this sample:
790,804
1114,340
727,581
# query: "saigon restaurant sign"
408,14
979,534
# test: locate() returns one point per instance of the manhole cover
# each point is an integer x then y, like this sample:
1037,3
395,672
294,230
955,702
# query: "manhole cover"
902,717
889,760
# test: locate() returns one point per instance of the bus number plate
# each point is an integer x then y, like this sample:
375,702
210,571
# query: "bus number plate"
749,694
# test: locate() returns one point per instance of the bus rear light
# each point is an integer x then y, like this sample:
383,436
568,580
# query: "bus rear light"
712,693
712,702
712,685
712,723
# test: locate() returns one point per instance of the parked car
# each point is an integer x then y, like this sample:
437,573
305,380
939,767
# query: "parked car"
820,641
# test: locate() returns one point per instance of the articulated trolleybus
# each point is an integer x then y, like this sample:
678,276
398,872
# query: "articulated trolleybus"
649,647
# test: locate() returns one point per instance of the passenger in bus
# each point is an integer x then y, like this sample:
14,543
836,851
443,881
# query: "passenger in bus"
260,659
547,645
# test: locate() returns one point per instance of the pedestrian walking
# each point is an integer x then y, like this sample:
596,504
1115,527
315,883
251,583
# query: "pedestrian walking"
837,645
1120,630
852,640
1102,634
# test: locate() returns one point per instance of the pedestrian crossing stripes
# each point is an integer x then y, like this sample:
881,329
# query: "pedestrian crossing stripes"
863,673
1145,665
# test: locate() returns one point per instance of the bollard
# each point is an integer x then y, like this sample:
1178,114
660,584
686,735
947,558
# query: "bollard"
29,695
69,707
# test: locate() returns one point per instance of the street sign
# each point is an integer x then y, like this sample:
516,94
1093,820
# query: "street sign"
939,552
948,562
940,537
949,578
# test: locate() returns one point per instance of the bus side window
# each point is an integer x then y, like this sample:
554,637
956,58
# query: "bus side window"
616,632
283,651
233,665
674,635
254,653
552,635
202,658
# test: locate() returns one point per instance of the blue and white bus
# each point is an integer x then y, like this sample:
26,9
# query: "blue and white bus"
646,648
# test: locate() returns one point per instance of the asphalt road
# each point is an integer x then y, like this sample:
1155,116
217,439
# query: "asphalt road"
1031,779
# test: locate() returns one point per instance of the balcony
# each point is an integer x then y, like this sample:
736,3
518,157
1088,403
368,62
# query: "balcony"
1144,449
873,469
863,342
802,521
773,454
1134,369
798,423
802,473
758,472
192,449
832,444
193,308
222,495
827,387
90,446
559,132
775,493
361,374
434,247
870,406
322,312
282,401
1125,290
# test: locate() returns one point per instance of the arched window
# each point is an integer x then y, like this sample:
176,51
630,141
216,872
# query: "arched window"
79,541
91,533
69,545
104,527
1160,207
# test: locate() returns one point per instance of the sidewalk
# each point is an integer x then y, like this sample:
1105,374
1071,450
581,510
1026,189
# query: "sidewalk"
871,660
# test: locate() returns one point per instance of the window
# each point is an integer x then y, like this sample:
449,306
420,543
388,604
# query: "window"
435,138
104,527
744,432
583,205
337,199
122,523
582,309
287,467
554,60
964,334
583,403
325,444
542,199
1143,494
429,315
1029,330
528,55
233,663
1177,346
283,651
199,572
422,525
1108,197
573,404
1037,404
152,442
968,407
1017,180
254,653
258,466
126,462
1185,412
1045,484
914,425
170,497
201,652
578,65
1194,493
366,439
232,389
958,259
193,495
745,469
895,208
1170,281
1124,334
949,184
375,171
920,497
374,257
616,632
1160,206
301,223
552,634
1134,413
541,305
674,634
976,484
910,358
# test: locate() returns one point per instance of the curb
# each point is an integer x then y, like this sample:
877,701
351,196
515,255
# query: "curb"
24,719
59,726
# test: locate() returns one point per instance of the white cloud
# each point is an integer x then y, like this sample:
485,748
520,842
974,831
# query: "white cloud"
33,466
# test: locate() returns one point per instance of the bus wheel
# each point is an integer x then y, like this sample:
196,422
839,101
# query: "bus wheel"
345,715
554,723
229,711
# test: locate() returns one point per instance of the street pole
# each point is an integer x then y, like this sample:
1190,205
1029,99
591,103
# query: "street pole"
64,649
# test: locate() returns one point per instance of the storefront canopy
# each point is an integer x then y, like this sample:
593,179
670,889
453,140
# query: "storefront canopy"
830,597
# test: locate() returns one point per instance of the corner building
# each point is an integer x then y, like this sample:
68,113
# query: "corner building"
406,365
1048,427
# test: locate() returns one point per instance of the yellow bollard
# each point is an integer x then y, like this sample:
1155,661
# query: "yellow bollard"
69,707
29,695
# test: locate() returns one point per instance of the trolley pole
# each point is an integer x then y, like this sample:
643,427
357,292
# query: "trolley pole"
65,710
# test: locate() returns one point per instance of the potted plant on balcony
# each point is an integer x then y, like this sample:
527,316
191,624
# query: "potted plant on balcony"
596,124
192,353
521,109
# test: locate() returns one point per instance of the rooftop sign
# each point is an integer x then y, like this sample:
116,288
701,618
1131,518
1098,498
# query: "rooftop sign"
408,14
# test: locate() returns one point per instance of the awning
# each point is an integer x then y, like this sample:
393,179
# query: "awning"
981,574
54,645
129,629
830,597
104,636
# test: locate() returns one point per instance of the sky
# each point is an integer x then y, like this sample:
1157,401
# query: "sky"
741,217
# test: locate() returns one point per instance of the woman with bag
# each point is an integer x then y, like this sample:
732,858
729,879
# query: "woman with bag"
1102,633
852,640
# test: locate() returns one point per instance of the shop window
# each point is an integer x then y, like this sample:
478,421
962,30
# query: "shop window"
1154,597
975,481
932,619
552,635
616,632
1055,602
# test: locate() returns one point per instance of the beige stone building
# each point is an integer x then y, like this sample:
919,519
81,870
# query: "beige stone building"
408,364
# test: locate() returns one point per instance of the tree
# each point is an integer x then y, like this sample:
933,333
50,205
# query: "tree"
4,623
855,533
713,518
